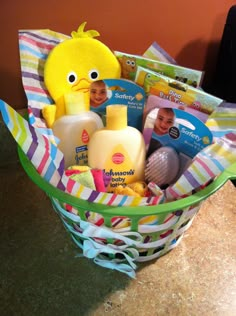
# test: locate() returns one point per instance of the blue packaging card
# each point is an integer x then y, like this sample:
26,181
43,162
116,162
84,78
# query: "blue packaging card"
186,134
119,91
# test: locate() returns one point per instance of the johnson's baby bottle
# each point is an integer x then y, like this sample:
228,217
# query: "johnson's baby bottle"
75,129
118,149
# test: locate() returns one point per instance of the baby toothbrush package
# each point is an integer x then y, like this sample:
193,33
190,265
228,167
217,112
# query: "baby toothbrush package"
118,91
153,104
130,63
175,91
177,137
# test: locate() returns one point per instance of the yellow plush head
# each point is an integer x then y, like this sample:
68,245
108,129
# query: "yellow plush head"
73,64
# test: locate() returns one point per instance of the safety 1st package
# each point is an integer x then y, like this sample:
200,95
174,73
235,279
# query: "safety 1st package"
174,140
118,91
153,104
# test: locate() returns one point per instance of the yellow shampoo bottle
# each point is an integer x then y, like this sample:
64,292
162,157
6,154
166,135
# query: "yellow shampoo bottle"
118,149
75,129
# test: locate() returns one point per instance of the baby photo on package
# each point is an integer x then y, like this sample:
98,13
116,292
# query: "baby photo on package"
173,136
151,108
118,91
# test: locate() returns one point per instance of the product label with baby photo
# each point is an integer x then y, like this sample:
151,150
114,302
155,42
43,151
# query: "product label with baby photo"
180,130
118,91
154,103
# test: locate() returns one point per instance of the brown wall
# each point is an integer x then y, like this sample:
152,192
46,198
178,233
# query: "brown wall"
189,30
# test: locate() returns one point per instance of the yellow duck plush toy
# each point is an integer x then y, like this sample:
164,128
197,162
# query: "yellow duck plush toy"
72,65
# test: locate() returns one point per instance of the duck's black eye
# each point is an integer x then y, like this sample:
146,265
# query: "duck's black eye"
71,77
93,74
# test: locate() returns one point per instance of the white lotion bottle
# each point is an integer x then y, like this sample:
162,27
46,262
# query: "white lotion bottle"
118,149
74,130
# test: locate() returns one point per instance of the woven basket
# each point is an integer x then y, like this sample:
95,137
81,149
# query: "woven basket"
145,232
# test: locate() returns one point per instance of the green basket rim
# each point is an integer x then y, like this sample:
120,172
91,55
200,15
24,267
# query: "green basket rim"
53,192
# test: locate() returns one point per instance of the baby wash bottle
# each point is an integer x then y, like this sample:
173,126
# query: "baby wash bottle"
75,129
118,149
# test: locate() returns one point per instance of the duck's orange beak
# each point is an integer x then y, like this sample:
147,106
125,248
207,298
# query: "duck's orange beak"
81,86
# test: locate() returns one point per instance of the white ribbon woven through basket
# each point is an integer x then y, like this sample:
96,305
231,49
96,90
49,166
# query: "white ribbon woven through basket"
128,251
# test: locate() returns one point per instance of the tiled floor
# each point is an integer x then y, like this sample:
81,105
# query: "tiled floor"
40,275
